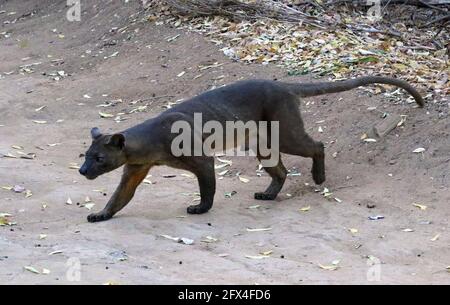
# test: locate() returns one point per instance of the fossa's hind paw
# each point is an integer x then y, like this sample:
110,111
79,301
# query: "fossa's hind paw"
197,209
265,196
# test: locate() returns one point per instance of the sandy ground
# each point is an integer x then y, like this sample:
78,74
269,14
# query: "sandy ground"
382,178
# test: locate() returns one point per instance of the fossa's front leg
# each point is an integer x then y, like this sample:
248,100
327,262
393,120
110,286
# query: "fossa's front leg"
131,178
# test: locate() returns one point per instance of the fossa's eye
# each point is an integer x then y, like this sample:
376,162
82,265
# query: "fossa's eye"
99,159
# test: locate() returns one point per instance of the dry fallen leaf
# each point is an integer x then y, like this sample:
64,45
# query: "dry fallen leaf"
74,166
188,175
223,172
329,267
376,217
229,162
219,166
4,221
257,256
10,155
89,206
55,252
420,206
419,150
18,189
209,239
230,194
266,253
31,269
28,156
254,206
436,237
186,241
69,201
305,209
353,230
259,230
326,192
105,115
244,180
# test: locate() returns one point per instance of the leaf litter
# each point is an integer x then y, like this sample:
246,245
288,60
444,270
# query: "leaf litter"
346,44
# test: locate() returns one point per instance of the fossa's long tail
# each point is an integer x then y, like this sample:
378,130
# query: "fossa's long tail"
319,88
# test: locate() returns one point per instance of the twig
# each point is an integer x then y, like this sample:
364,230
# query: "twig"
442,18
432,6
154,98
374,30
254,11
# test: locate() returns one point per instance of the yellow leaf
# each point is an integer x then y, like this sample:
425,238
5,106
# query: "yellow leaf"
353,230
266,253
420,206
436,237
329,267
105,115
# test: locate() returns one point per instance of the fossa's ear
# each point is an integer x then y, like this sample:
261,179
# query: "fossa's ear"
95,133
116,140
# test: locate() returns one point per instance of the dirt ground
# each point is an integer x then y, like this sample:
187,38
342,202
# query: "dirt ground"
383,178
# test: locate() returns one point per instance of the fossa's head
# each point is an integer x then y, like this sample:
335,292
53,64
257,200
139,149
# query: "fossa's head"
105,154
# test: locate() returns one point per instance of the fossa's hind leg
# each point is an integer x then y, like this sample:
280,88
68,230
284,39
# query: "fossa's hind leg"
278,174
295,141
306,147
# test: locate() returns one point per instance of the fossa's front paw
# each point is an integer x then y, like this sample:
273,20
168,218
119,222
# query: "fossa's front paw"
100,216
318,176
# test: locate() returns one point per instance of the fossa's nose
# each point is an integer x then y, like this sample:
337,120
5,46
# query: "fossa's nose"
83,170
